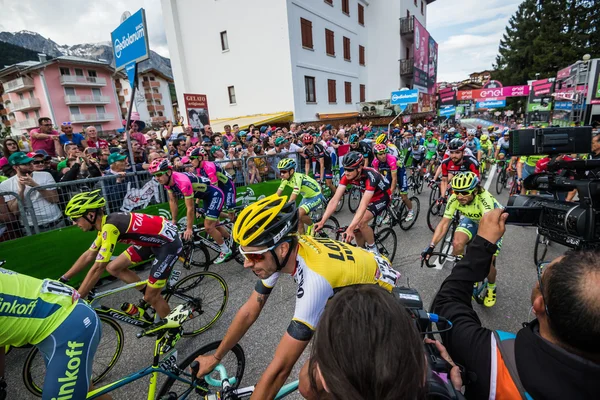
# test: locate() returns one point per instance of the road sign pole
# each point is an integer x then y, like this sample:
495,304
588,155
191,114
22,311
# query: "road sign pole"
128,122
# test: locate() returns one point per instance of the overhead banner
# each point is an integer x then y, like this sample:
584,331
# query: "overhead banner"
447,97
425,54
196,109
507,91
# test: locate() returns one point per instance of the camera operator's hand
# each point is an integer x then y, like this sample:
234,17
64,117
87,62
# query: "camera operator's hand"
492,225
455,377
425,254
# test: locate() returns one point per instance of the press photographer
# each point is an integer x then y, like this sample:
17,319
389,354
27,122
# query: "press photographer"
556,356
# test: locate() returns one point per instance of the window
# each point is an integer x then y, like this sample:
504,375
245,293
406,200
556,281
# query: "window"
309,85
100,110
160,114
346,7
331,90
78,72
31,94
74,110
361,55
224,41
69,91
422,7
21,96
26,114
155,90
145,79
125,92
407,52
306,30
329,42
348,92
37,114
361,14
152,114
98,128
330,2
96,92
346,48
231,92
65,71
157,102
415,3
152,79
363,94
92,73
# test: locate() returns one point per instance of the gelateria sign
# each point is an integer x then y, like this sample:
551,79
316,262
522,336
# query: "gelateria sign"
507,91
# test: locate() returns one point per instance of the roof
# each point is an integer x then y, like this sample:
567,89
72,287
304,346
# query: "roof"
79,60
259,119
156,72
33,65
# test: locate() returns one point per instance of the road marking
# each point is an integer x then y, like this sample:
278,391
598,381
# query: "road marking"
490,178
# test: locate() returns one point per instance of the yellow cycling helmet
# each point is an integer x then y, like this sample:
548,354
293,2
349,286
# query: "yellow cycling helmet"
381,139
84,202
266,222
286,164
484,138
464,181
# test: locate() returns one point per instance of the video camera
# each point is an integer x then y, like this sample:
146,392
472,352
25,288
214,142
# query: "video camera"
575,225
439,385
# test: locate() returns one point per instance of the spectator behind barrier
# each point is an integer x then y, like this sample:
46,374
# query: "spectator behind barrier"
556,356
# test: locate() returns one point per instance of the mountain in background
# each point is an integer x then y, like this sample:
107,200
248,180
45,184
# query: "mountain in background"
38,44
12,54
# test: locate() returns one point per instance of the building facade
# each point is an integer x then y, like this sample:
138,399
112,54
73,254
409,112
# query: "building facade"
65,89
315,58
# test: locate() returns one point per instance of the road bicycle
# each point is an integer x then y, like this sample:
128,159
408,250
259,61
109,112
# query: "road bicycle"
445,245
354,197
415,181
204,293
483,167
328,195
502,180
396,213
437,207
385,240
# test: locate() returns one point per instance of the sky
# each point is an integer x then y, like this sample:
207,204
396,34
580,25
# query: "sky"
468,32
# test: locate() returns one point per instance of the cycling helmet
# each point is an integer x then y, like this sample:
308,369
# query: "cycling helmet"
471,132
160,164
414,143
266,222
307,138
381,139
465,181
451,130
195,151
353,160
490,128
419,134
83,202
429,134
456,144
442,147
286,164
380,149
479,127
353,138
457,135
484,138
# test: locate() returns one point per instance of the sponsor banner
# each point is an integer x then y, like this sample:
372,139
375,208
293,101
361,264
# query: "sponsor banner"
196,109
426,103
563,105
531,107
130,40
507,91
447,111
404,97
491,104
425,54
596,87
564,73
432,73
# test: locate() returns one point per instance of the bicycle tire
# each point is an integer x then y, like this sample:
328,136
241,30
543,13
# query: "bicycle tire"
435,213
329,229
199,303
34,380
446,243
195,255
340,204
540,249
386,242
500,181
416,208
435,193
239,363
354,198
421,184
410,183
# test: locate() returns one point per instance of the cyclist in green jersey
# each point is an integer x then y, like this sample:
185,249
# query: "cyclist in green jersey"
301,184
50,315
431,145
526,167
472,201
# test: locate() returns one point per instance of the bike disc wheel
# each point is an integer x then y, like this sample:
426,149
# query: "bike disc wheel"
540,249
234,362
109,350
386,243
194,255
206,293
354,198
416,207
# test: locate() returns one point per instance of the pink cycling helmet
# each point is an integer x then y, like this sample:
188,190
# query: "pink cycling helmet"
158,165
380,148
195,151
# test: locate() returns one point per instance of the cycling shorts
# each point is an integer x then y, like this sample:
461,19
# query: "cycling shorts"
527,170
429,155
416,163
228,190
165,257
469,228
214,205
69,353
377,206
504,151
328,174
402,180
308,204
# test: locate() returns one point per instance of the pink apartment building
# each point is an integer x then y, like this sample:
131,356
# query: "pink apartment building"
65,89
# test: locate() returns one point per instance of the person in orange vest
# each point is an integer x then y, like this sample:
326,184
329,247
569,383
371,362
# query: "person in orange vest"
556,356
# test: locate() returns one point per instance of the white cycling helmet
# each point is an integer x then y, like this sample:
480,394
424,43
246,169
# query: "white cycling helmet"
451,130
471,131
419,134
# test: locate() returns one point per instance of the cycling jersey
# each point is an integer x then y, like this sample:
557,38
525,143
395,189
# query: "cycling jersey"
393,150
369,180
385,168
318,154
503,144
417,154
485,146
219,177
190,185
468,163
473,145
324,266
482,203
365,149
531,161
302,184
431,145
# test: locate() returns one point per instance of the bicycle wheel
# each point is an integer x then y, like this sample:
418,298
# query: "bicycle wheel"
410,183
446,243
108,353
540,249
435,214
500,182
340,204
420,184
416,208
329,229
386,243
435,193
354,198
194,255
207,294
233,361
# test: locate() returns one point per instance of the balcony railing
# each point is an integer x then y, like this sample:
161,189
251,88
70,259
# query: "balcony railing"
407,26
82,80
24,124
406,66
159,119
3,111
157,107
150,84
18,85
86,99
26,104
121,99
155,96
97,117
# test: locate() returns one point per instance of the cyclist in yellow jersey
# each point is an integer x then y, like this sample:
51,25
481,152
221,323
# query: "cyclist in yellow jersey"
50,315
266,233
526,167
301,184
472,201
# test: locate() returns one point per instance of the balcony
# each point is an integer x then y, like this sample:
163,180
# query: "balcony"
18,85
3,111
150,84
159,119
78,80
154,108
24,124
26,104
407,27
155,96
86,99
121,99
124,110
5,98
406,66
96,117
8,122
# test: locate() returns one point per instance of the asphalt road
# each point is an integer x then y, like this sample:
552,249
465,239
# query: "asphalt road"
516,277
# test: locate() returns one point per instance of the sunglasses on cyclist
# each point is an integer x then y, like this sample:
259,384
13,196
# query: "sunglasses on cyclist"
160,173
464,192
255,256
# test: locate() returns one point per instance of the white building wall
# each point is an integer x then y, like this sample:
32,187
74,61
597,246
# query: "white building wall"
166,98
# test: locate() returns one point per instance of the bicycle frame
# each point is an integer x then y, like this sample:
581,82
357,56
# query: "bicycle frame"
285,390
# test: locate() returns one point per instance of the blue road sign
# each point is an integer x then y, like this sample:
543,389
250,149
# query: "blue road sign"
404,97
491,104
447,111
130,40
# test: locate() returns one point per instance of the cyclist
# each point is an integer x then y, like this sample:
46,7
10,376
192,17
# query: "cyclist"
301,184
217,176
417,153
502,147
387,165
375,199
362,147
525,167
51,316
316,152
266,233
147,234
392,149
192,187
458,161
478,131
472,201
473,143
430,145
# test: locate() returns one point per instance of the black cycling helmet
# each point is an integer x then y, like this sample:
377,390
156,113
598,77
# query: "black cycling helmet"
353,160
442,146
456,144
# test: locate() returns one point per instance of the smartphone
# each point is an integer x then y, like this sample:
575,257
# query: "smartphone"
525,216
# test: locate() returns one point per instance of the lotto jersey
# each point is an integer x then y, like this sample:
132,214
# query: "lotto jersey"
30,308
481,204
324,265
214,173
385,168
190,185
302,184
